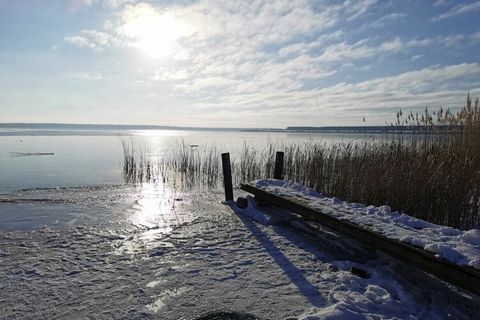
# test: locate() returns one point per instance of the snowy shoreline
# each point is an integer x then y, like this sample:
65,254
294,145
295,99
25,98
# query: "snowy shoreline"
184,259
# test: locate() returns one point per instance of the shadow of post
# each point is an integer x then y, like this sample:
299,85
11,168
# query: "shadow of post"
308,290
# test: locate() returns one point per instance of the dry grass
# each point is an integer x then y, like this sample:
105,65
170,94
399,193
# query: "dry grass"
433,174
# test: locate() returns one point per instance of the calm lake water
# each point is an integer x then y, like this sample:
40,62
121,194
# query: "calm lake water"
85,158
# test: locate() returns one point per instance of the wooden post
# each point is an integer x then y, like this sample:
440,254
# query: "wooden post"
227,176
278,173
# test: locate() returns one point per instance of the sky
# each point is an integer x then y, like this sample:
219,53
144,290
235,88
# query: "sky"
221,63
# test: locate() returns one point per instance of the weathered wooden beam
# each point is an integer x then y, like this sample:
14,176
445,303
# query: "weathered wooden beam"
278,172
227,176
462,276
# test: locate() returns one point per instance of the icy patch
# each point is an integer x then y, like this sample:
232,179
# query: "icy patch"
457,246
213,261
448,231
377,294
474,263
445,252
413,222
413,241
146,206
164,298
154,283
472,236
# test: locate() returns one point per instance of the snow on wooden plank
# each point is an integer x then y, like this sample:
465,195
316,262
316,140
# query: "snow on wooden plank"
463,276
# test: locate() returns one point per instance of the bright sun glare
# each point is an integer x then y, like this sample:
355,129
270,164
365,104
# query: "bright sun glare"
156,34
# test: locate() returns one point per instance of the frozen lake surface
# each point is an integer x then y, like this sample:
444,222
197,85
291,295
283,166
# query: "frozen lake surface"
83,158
147,253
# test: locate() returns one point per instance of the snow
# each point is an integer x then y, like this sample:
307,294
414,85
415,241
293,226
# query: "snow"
472,236
184,259
457,246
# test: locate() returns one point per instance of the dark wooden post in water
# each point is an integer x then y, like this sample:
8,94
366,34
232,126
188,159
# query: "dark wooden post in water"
278,173
227,176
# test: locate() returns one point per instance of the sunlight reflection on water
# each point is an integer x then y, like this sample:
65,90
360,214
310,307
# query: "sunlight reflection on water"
156,208
151,208
160,133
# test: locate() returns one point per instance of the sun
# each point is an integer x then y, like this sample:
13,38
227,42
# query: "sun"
155,34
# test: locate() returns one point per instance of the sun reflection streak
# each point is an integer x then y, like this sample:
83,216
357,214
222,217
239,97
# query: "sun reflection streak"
157,212
158,133
156,208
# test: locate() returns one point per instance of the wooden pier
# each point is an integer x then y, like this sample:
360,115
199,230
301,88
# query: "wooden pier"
462,276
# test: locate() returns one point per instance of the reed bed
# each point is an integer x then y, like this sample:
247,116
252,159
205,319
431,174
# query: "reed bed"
433,175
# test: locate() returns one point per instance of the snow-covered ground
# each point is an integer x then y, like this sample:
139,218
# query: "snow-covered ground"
159,254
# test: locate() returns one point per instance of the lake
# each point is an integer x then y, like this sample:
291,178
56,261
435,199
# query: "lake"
80,180
86,157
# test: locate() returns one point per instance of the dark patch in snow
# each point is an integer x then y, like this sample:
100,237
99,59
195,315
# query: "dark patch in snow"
242,203
359,272
158,252
332,268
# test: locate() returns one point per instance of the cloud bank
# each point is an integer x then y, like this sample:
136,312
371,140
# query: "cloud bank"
294,62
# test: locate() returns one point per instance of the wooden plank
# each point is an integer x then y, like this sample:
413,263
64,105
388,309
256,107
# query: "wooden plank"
278,172
463,276
227,176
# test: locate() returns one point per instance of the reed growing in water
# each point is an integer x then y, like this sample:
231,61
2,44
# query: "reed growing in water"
432,174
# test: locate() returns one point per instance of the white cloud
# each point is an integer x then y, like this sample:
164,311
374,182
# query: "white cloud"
101,38
88,76
379,97
359,50
90,39
358,8
446,40
420,42
116,3
230,26
229,38
420,80
416,57
458,10
388,18
259,22
105,3
74,6
438,3
450,41
299,48
79,41
475,37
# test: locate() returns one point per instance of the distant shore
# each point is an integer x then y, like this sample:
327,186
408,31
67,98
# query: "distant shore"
32,128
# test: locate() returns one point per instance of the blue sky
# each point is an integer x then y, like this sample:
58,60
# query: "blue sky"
234,63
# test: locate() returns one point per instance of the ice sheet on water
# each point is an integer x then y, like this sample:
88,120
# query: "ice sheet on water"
217,259
144,206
